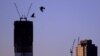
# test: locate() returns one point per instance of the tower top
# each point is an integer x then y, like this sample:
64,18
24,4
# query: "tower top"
85,42
23,18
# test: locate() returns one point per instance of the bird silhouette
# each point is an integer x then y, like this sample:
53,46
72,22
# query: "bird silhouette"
33,15
42,9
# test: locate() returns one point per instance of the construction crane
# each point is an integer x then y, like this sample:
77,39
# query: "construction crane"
17,10
78,40
25,16
21,16
71,49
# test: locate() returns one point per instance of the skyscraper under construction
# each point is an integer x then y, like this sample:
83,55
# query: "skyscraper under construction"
23,38
86,48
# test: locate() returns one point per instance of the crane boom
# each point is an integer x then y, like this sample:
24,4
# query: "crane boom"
78,40
73,44
29,9
71,49
17,9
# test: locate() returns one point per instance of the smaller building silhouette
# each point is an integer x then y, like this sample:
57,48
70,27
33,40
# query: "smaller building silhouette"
86,48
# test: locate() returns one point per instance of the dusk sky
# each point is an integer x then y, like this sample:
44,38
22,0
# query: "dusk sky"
55,29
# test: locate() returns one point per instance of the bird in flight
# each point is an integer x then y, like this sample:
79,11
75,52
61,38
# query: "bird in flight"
33,15
42,9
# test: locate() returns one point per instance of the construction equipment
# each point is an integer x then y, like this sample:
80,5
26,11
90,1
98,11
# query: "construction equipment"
78,40
25,16
71,49
17,9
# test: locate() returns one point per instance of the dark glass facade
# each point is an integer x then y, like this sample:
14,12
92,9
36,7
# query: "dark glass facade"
86,48
23,38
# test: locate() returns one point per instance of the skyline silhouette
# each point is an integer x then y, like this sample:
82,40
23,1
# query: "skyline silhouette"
86,48
55,28
23,38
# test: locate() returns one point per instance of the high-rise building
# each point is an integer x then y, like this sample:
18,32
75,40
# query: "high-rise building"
23,38
86,48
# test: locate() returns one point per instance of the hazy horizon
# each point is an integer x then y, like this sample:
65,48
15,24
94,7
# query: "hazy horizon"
55,29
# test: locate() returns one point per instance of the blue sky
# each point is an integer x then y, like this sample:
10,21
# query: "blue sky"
55,29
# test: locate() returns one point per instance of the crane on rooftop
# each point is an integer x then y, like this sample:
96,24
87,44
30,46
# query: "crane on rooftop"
41,8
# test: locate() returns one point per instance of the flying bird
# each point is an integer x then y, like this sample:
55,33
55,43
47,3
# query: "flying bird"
33,15
42,8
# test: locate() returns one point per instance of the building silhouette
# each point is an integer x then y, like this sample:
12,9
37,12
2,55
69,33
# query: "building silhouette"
23,38
86,48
